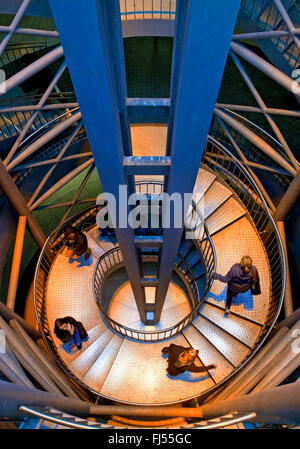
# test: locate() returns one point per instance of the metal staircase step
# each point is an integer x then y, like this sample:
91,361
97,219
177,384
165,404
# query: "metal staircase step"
208,354
96,375
203,181
104,242
225,215
97,251
147,376
201,283
229,347
71,356
193,257
173,299
185,246
87,358
241,329
231,244
213,199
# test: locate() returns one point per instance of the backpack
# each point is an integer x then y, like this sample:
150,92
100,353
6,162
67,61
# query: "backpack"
255,285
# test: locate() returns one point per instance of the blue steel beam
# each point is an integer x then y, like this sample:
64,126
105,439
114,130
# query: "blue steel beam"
91,34
146,165
203,32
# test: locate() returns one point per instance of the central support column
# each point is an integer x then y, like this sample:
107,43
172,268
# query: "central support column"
91,35
203,33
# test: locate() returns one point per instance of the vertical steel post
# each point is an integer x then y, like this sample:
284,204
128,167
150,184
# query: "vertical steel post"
284,207
288,298
289,199
95,60
16,263
203,33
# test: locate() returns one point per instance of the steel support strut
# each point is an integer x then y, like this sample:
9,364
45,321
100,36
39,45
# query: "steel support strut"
18,202
203,32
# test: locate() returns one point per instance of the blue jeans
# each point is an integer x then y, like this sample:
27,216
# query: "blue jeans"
76,338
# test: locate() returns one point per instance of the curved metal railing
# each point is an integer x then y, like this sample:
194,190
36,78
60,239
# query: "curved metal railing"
267,17
12,123
54,243
236,177
113,260
67,420
148,9
252,152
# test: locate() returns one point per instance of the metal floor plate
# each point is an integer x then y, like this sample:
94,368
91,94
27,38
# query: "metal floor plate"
231,244
244,330
208,354
233,350
225,215
123,308
139,376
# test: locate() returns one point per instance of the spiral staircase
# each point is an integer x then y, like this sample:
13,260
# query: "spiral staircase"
121,360
116,353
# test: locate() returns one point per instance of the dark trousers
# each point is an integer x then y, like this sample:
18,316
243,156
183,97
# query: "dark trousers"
229,297
76,338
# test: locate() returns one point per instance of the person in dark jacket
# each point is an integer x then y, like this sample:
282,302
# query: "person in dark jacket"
67,328
181,359
240,278
76,241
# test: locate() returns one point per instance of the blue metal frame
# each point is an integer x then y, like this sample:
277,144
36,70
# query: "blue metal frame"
203,30
95,57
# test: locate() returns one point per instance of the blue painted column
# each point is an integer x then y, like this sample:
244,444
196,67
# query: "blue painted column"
91,34
203,33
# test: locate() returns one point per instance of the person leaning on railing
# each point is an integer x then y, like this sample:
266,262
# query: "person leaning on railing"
240,278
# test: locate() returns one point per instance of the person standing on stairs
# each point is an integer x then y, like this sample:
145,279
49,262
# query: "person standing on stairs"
240,278
181,359
76,243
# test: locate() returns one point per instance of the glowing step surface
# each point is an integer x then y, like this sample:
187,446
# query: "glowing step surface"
247,332
96,375
139,375
103,242
203,181
208,354
232,349
214,198
81,365
231,244
225,215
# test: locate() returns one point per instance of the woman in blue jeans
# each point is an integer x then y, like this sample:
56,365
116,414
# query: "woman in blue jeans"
67,328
